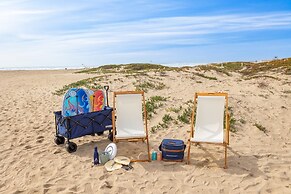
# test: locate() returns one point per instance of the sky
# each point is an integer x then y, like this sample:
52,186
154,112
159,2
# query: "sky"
88,33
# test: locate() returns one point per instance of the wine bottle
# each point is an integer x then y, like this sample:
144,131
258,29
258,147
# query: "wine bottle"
96,156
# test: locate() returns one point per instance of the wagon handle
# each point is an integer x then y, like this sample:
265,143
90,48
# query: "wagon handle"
106,89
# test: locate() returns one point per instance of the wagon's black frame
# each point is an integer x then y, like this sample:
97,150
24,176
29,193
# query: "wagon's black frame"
72,127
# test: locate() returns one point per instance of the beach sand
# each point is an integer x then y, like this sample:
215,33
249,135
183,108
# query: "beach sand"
259,162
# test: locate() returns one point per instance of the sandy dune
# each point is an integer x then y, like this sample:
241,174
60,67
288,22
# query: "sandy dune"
259,162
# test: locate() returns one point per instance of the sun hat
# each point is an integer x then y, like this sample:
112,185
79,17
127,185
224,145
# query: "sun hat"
122,160
111,166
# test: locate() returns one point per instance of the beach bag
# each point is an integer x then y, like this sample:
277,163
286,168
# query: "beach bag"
172,150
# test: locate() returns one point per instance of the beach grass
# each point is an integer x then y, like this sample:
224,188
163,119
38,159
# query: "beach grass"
261,128
152,104
174,109
129,68
185,117
147,85
89,83
166,121
250,68
205,76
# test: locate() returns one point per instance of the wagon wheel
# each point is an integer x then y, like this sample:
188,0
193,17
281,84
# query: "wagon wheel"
71,147
59,140
100,133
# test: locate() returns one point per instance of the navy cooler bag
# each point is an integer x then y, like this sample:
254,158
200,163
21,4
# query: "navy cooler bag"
172,150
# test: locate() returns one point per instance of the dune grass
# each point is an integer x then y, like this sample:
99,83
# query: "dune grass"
244,68
89,83
152,104
205,76
185,117
129,68
250,69
174,109
283,65
261,128
212,67
147,85
232,120
287,91
261,76
167,119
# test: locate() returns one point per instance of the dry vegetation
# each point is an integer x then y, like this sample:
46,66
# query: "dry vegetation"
244,68
249,69
87,83
259,154
151,77
129,68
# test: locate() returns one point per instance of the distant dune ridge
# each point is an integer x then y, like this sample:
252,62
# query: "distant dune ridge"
259,154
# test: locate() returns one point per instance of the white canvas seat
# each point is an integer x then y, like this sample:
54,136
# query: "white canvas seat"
130,121
211,113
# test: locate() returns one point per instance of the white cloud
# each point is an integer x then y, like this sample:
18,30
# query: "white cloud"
51,34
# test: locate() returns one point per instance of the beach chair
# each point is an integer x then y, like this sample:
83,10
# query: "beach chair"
128,123
210,111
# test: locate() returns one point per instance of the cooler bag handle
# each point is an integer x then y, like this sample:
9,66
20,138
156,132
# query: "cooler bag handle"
160,147
172,142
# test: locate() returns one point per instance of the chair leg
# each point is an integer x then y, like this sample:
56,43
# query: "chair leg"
189,147
149,155
225,156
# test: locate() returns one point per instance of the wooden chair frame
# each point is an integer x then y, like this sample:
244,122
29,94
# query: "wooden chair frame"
115,139
226,130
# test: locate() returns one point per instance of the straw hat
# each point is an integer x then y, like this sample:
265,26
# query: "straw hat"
122,160
111,166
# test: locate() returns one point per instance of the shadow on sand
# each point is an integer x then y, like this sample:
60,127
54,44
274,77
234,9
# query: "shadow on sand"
237,163
200,157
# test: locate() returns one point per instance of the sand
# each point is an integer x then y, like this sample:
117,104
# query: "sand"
259,162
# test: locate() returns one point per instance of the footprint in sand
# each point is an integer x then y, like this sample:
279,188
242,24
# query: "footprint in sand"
47,185
88,188
106,184
35,127
40,137
74,189
60,189
39,140
105,176
28,147
57,151
17,192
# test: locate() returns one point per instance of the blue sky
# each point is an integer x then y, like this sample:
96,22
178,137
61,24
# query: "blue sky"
69,33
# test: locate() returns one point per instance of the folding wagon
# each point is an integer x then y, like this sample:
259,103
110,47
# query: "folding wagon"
72,127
